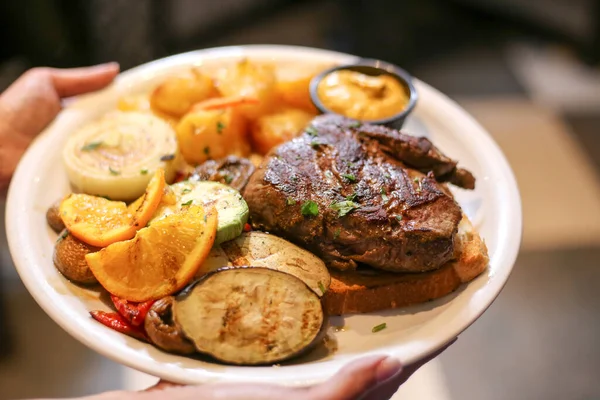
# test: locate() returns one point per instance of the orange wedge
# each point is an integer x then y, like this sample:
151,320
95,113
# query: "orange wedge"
136,204
168,198
101,222
160,260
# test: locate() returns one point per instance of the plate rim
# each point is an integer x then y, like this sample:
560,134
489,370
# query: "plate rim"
173,372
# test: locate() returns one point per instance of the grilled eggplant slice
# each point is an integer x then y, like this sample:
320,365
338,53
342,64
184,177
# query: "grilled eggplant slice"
250,315
261,249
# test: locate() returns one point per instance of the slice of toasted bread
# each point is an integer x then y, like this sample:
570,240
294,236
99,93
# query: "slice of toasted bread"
369,290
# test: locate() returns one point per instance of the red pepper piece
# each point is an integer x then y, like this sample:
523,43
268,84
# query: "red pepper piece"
118,323
134,313
247,227
180,176
140,317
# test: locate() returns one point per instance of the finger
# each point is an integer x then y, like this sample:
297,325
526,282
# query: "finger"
349,383
30,103
387,389
74,81
160,385
238,391
356,378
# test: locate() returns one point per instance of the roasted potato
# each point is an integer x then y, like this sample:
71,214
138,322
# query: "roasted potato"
271,130
69,259
212,134
247,79
53,218
293,85
177,94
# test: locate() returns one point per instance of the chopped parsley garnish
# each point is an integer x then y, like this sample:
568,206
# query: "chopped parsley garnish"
114,171
220,127
91,146
309,209
144,171
399,217
290,201
186,190
65,234
167,157
350,177
228,179
355,124
387,176
312,131
383,194
351,197
314,144
206,150
344,207
321,287
416,180
187,203
336,234
379,327
329,174
294,178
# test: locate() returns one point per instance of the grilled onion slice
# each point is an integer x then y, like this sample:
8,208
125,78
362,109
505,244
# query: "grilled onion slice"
116,156
250,315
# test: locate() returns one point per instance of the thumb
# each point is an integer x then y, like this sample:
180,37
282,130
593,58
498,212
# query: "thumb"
32,101
357,378
74,81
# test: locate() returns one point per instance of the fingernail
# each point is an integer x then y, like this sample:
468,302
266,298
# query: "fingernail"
389,367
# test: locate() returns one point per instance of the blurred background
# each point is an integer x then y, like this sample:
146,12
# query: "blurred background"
528,70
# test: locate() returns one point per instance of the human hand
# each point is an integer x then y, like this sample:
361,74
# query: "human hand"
368,378
34,100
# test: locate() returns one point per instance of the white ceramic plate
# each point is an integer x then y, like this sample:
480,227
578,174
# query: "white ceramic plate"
411,332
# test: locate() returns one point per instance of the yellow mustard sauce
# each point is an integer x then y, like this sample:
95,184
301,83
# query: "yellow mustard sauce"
361,96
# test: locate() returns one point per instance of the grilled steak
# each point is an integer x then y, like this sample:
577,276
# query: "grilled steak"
355,193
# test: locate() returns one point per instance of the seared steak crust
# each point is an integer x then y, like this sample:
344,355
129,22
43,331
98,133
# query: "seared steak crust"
399,219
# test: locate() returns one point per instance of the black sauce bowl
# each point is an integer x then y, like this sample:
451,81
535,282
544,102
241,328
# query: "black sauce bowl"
372,68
